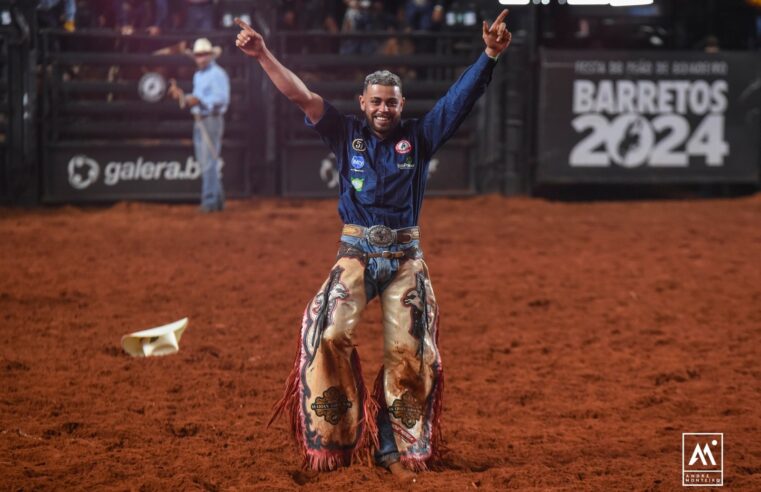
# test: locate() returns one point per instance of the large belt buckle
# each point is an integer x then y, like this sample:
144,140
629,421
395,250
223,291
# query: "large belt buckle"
380,235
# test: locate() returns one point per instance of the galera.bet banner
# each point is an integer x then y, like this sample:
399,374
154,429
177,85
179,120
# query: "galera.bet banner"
90,172
648,117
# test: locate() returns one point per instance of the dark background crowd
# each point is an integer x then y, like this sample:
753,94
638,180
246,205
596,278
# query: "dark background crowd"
156,16
673,24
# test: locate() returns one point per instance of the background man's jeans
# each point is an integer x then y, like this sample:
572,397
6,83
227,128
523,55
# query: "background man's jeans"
212,195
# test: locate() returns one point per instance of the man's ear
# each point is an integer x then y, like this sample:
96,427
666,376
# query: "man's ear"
362,102
401,104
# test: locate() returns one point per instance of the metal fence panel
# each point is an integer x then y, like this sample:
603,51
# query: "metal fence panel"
107,136
88,172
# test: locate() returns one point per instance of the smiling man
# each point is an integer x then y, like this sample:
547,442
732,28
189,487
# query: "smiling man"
383,165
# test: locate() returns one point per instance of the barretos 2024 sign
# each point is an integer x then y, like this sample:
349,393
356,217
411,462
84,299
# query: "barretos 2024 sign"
648,117
80,174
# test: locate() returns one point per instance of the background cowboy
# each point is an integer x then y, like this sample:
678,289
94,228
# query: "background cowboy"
208,103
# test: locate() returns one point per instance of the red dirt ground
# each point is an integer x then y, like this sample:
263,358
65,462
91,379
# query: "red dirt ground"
579,341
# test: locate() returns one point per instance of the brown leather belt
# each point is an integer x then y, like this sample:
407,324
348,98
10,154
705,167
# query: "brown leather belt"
382,236
346,250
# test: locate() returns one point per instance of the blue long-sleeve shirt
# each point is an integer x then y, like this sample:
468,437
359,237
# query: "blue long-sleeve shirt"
212,88
382,181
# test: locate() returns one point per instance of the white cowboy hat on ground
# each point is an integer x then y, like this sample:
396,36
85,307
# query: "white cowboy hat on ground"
203,46
162,340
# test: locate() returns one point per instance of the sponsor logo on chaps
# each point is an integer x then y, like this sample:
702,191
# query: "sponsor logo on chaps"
84,171
332,405
407,409
702,459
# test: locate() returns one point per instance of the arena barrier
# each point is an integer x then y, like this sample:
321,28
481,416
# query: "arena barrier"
110,133
104,140
19,169
5,113
107,132
648,117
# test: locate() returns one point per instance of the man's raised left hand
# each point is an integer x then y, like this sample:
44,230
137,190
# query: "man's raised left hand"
496,37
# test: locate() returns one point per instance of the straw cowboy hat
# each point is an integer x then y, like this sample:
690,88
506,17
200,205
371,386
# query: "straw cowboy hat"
162,340
203,46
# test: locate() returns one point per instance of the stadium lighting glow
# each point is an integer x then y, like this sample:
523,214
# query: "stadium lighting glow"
514,2
630,3
588,2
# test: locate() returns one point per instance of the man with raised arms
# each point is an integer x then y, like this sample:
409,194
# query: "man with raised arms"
383,166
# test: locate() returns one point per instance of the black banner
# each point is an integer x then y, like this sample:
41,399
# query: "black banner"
648,117
96,173
309,170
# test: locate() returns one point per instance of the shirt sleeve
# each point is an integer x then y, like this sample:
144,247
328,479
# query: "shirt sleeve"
214,91
440,123
331,127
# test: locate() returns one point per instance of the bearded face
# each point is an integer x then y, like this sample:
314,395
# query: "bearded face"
382,105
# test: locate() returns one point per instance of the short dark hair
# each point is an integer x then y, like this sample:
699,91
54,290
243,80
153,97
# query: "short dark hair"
382,77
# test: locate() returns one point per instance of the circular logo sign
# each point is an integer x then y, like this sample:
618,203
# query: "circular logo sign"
358,144
403,146
151,87
83,171
357,162
328,172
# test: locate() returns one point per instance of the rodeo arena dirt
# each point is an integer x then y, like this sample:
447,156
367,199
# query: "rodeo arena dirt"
579,342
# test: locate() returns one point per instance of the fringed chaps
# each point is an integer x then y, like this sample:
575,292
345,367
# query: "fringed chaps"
333,418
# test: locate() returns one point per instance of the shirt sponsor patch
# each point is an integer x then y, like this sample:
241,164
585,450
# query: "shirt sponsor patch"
407,164
358,144
358,183
403,147
357,162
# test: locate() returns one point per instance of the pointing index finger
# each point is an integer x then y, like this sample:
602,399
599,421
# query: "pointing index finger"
500,18
243,25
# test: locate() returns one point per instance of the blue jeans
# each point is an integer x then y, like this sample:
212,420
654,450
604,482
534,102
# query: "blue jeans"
379,272
212,194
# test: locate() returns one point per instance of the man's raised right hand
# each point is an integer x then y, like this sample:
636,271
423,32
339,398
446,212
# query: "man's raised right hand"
249,41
